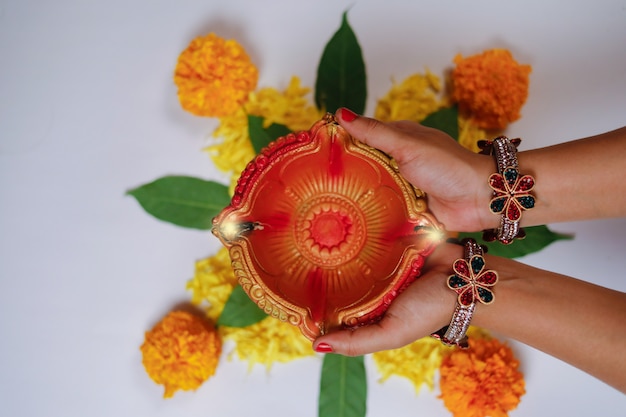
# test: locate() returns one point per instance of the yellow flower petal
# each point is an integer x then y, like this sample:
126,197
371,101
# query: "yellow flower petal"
267,342
413,99
290,107
423,355
470,134
213,282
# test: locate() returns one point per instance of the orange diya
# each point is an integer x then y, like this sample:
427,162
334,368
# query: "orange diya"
323,232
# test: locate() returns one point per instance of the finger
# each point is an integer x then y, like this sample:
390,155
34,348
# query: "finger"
386,137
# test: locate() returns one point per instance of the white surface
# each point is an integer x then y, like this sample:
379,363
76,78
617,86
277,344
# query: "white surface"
88,110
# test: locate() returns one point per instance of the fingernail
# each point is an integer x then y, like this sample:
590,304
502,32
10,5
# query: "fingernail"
324,347
348,115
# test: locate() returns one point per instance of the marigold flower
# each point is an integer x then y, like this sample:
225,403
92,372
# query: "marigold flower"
490,87
214,76
290,107
413,99
268,341
181,352
424,355
483,380
213,282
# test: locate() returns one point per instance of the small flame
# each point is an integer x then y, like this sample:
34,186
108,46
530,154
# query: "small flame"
229,231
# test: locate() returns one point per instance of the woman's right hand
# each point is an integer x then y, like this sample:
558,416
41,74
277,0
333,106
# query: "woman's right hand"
454,178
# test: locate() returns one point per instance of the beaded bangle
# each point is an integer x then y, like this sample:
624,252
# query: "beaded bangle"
472,282
511,190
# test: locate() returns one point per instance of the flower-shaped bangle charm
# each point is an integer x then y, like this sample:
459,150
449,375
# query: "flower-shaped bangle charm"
472,282
511,193
323,232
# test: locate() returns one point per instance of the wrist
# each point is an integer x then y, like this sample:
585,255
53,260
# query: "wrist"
485,166
473,283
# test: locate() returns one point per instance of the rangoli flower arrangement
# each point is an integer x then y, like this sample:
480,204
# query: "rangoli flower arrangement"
216,78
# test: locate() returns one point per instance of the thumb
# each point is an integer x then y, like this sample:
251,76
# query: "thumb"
389,333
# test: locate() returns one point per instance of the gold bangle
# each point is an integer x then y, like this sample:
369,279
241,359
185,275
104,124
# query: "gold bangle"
473,283
511,190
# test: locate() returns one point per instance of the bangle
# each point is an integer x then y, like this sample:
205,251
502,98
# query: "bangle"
511,190
472,282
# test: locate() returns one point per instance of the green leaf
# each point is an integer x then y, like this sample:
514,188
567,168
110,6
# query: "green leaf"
343,387
341,80
260,136
446,119
184,201
240,310
537,238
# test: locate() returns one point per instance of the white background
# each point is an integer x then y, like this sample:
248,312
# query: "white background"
88,110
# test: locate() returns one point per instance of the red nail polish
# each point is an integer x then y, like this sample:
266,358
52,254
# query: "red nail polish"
348,115
324,347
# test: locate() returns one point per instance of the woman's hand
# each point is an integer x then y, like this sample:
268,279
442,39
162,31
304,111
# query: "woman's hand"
423,308
454,178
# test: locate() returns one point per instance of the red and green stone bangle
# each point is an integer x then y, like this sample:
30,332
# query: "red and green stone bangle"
511,190
473,283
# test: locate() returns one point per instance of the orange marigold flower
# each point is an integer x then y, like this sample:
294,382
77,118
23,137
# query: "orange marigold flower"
181,351
483,380
214,76
490,87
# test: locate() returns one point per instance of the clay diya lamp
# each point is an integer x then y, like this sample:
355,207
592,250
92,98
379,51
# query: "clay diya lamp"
323,232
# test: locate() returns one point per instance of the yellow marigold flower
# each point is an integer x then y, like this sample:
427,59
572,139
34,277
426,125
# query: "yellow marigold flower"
213,282
234,150
268,341
181,352
289,107
265,342
483,380
490,87
413,99
214,76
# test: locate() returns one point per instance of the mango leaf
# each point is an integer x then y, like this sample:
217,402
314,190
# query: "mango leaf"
184,201
341,80
537,238
260,136
446,119
343,387
240,310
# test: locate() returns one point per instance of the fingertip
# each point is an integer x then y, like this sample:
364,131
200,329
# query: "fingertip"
336,342
323,347
346,115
